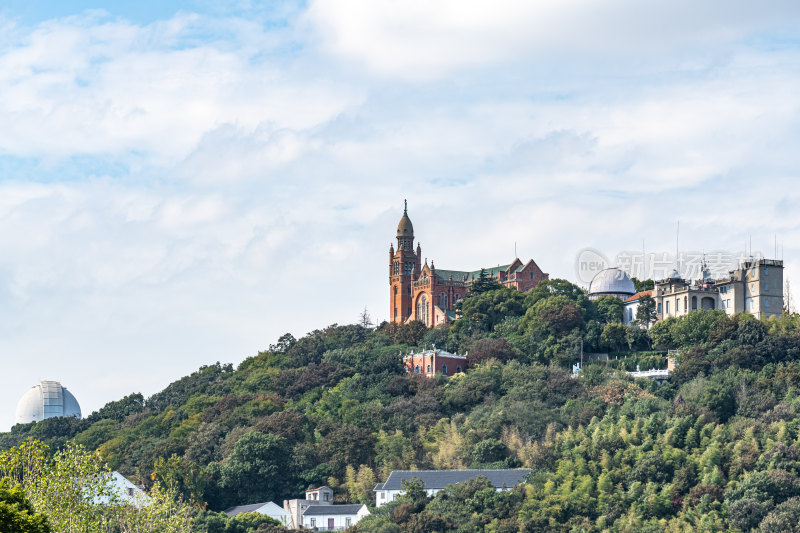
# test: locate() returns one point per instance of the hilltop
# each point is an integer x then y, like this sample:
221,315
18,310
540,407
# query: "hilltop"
714,448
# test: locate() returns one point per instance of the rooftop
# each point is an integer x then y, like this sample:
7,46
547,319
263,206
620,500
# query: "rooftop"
439,479
439,353
349,508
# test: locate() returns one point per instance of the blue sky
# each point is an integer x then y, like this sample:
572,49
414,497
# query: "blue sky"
182,183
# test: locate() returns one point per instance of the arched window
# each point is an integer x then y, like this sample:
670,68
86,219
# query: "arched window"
422,309
458,370
694,303
443,301
444,370
429,369
416,369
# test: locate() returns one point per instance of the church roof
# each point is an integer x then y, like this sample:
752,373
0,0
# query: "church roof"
459,275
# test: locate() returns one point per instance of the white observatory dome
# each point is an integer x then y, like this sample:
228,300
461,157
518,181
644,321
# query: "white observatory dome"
48,399
611,282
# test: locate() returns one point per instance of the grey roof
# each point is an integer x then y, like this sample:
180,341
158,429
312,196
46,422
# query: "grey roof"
233,511
612,281
439,479
379,486
350,508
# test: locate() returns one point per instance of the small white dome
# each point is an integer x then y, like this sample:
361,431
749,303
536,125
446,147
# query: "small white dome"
611,282
48,399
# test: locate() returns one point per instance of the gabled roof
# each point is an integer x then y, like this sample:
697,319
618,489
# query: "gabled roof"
638,295
439,479
350,508
233,511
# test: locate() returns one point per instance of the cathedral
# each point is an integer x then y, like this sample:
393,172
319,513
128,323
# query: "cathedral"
423,292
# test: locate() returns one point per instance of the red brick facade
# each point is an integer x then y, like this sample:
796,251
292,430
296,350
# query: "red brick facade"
425,293
432,362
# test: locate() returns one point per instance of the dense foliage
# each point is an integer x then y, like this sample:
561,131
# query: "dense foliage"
714,449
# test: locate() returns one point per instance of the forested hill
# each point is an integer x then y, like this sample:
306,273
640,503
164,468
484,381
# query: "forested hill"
714,449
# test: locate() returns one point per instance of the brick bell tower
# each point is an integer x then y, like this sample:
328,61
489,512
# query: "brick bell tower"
404,268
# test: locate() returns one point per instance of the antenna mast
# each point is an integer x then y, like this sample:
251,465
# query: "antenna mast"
677,247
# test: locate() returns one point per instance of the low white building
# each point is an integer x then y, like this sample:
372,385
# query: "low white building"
333,517
124,491
271,509
435,480
317,511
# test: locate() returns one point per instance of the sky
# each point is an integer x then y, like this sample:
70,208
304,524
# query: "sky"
182,183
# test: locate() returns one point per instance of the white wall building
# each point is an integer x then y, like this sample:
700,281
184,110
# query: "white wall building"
317,511
333,517
435,480
271,509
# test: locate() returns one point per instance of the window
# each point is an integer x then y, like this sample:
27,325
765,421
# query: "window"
729,302
678,305
416,369
443,301
766,286
766,302
444,370
429,369
766,271
422,310
313,522
723,304
325,496
458,370
380,495
130,491
531,274
347,522
667,307
659,309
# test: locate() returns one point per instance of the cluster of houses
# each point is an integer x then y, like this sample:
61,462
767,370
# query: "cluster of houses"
318,512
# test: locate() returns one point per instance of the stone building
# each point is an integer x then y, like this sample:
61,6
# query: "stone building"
418,291
756,287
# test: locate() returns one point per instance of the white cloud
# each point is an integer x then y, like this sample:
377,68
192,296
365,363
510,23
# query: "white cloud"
418,39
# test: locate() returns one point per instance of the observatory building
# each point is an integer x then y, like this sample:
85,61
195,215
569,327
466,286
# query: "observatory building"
611,282
47,399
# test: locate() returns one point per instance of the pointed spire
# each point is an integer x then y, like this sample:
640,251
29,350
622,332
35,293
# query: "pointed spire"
405,207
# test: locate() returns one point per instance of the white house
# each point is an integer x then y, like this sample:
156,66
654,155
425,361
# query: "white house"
436,480
317,511
271,509
333,517
124,491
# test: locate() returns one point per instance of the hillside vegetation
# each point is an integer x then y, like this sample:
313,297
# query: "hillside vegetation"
717,448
